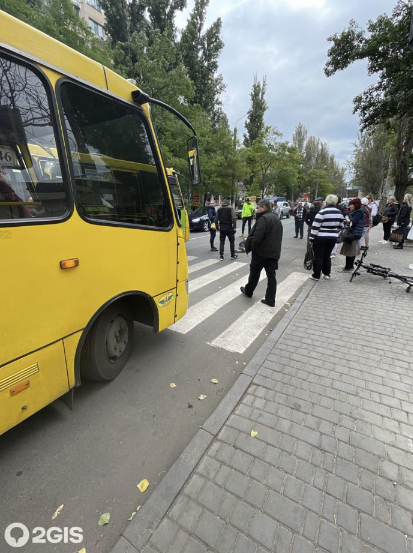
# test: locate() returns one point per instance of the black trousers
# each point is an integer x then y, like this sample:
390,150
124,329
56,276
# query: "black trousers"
244,220
350,262
259,263
299,227
322,251
212,233
231,237
387,229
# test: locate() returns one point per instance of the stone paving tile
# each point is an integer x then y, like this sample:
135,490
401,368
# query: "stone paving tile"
331,469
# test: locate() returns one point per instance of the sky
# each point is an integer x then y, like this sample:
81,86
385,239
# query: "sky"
286,40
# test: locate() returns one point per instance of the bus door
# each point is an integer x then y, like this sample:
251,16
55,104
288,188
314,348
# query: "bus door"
181,304
34,205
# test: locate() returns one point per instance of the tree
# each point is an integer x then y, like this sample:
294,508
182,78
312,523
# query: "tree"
371,158
385,47
58,19
200,51
162,13
116,20
255,119
300,138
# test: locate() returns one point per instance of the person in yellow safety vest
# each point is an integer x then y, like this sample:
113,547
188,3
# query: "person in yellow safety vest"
246,215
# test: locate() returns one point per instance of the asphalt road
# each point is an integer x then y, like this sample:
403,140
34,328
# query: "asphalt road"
91,459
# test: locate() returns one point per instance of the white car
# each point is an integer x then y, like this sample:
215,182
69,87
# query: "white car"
285,209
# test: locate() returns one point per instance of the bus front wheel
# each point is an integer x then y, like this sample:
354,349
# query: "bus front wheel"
109,344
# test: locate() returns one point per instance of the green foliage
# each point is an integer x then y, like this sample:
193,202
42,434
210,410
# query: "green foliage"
370,161
59,20
200,50
273,165
162,13
116,20
390,101
255,120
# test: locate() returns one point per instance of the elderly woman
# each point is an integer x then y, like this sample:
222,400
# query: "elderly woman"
367,209
323,236
389,216
403,218
356,220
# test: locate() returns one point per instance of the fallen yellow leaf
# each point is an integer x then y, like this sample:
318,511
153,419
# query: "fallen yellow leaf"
132,515
57,512
172,385
104,519
83,550
201,397
214,381
253,433
143,485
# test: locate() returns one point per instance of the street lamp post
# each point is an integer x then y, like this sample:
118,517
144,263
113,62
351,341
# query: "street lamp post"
235,145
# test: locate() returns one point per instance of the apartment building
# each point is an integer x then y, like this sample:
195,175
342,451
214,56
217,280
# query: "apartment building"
91,11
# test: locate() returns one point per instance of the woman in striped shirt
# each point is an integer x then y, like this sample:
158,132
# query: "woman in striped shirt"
323,236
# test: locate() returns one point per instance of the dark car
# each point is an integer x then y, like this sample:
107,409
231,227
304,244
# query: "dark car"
198,219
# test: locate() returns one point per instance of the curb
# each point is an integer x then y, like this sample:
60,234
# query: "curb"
141,528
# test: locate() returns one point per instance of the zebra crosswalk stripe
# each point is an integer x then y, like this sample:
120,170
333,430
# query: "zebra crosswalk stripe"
209,306
191,257
204,280
202,265
242,333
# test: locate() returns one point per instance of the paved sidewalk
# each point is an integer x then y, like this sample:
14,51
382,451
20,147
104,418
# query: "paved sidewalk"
330,395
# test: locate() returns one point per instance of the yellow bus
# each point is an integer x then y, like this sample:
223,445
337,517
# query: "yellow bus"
91,231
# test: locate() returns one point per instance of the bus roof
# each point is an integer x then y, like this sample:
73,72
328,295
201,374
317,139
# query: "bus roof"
39,47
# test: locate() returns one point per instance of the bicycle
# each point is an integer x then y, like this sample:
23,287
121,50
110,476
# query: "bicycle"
378,270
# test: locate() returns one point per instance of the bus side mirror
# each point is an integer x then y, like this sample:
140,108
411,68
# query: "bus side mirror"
193,160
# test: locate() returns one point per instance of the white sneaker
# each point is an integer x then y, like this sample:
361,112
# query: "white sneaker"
327,277
332,256
385,241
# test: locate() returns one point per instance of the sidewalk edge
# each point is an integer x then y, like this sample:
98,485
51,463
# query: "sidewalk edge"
141,528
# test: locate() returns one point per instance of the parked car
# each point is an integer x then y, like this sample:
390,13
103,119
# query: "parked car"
198,219
285,209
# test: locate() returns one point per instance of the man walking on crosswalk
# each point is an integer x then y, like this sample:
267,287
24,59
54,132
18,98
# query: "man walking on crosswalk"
226,223
264,241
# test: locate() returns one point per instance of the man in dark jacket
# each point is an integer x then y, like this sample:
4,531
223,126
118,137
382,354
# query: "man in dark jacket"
311,213
212,230
226,223
264,241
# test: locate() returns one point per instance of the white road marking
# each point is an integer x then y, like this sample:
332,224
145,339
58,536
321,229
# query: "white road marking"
204,280
191,257
198,237
209,306
202,265
242,333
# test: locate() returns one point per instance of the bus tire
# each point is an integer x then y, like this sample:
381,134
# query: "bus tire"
109,344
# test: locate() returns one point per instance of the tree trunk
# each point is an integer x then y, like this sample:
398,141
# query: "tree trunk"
404,146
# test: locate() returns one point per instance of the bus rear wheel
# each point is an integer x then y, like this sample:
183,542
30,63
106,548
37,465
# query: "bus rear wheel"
109,344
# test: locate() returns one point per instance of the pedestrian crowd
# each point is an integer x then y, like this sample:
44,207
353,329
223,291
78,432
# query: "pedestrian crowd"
329,229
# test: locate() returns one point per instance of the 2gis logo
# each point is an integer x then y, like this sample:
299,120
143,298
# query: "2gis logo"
18,535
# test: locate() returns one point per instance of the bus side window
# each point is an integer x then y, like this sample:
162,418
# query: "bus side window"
27,132
116,177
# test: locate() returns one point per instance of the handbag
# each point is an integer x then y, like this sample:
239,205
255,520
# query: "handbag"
376,219
347,235
384,219
309,259
397,235
213,226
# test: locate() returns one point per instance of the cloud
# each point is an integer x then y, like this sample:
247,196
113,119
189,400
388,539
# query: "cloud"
286,40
